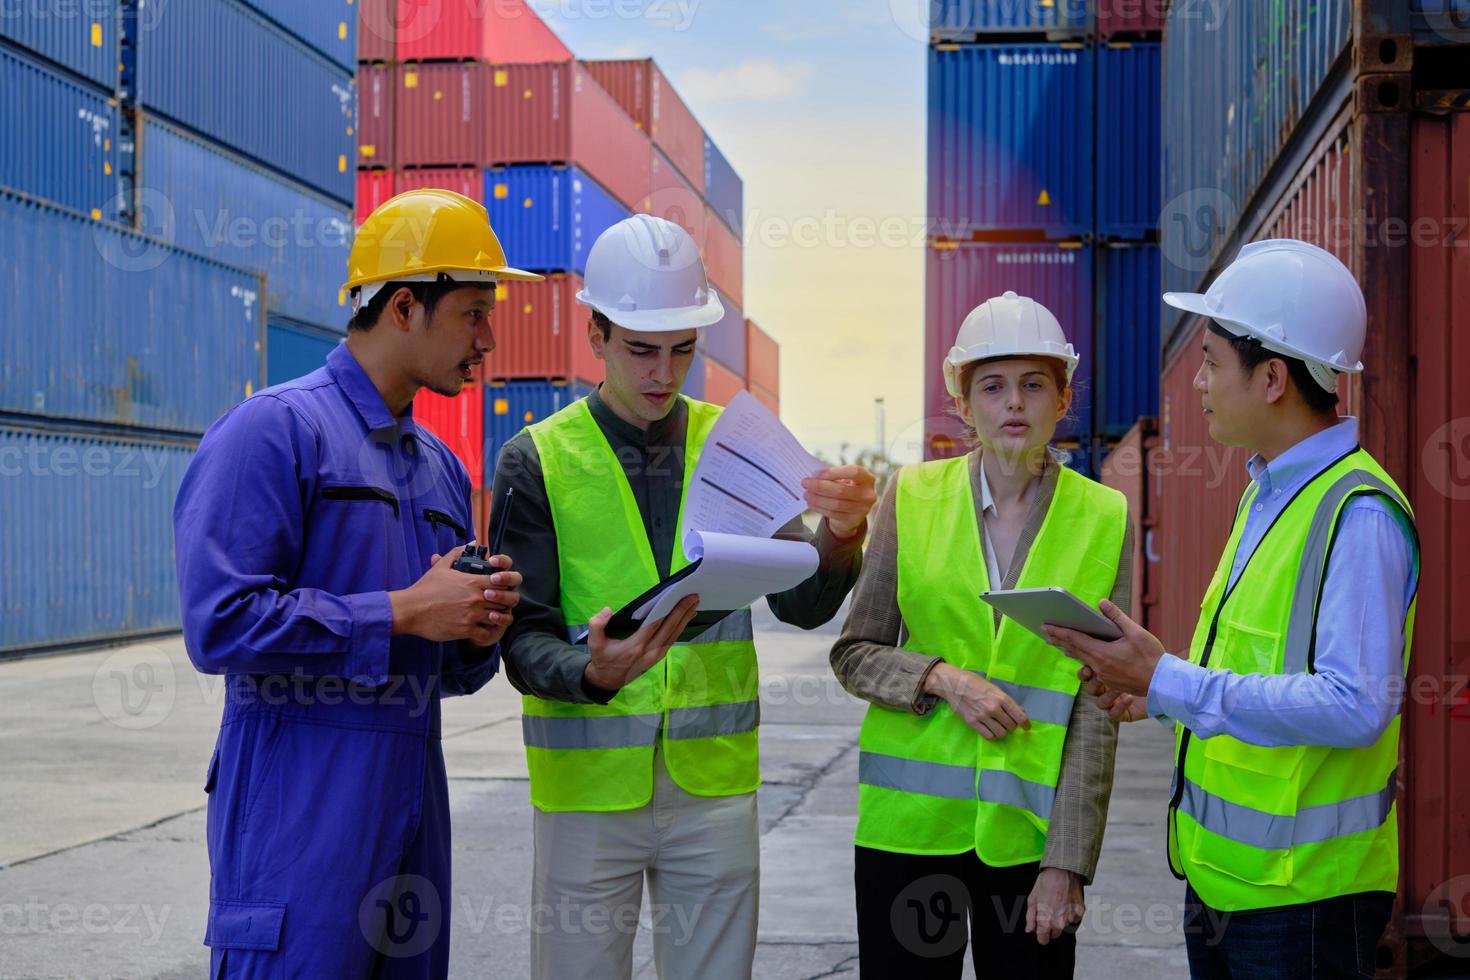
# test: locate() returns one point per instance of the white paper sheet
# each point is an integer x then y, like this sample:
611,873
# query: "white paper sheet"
736,571
748,481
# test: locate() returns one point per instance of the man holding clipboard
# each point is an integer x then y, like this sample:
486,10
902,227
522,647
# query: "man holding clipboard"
643,751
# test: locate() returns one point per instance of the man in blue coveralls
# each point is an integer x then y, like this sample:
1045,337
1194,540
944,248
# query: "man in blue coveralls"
315,532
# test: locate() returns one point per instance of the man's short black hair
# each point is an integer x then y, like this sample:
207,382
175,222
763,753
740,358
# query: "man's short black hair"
1253,354
427,294
603,324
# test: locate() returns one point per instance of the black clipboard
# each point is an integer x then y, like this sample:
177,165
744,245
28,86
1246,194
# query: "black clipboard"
623,625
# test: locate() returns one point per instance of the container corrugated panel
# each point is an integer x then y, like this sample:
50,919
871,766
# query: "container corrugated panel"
721,385
1126,385
439,115
673,198
1436,811
329,26
644,92
295,349
502,31
1237,85
469,181
459,422
83,38
767,398
961,278
194,58
201,198
1010,137
541,332
72,491
723,188
724,259
724,342
373,188
136,332
1319,206
762,358
57,136
377,30
558,113
548,217
967,19
1115,17
510,406
1126,470
1129,103
377,90
627,81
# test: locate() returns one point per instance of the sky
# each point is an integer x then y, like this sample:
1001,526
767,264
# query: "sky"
820,106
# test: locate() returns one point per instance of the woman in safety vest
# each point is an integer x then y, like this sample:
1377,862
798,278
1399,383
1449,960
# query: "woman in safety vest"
984,776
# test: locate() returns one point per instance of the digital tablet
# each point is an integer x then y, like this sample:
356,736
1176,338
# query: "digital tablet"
1035,608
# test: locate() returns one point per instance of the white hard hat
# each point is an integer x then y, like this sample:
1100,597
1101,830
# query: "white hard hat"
645,274
1296,299
1007,326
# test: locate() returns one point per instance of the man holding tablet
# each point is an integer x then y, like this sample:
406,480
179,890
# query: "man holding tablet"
1283,818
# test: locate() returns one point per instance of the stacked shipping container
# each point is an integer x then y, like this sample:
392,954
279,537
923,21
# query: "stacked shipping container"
1043,178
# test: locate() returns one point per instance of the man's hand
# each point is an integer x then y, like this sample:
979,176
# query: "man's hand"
446,606
843,495
1126,665
617,663
1119,706
1054,904
984,707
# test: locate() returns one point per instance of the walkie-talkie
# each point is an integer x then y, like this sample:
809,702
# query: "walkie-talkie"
476,558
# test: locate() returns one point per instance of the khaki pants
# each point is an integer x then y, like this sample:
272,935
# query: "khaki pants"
701,856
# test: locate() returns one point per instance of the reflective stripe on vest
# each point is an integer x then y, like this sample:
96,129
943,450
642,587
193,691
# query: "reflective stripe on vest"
1259,827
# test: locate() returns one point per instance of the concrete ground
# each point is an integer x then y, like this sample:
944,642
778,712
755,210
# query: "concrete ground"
103,871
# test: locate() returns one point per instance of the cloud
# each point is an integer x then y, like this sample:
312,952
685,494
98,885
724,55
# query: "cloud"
755,80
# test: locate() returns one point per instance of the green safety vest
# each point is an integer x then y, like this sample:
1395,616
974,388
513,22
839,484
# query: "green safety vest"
930,784
1254,827
702,700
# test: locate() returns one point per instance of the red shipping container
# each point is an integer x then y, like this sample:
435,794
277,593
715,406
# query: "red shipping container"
1129,17
459,422
762,359
675,199
559,114
767,398
439,115
373,188
376,88
469,181
541,332
1126,470
646,95
483,30
377,30
720,384
724,258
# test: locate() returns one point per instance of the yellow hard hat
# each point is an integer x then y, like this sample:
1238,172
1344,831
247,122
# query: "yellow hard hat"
427,235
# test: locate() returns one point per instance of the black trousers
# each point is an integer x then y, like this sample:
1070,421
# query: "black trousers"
916,913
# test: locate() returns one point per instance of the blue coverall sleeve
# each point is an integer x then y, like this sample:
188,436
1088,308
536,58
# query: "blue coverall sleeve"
238,523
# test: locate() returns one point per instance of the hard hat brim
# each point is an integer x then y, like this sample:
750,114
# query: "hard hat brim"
661,321
502,273
1189,302
517,275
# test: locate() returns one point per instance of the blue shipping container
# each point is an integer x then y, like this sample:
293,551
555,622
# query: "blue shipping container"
962,20
120,328
723,189
89,550
57,136
510,406
203,198
1058,277
1128,352
1128,140
219,68
548,217
1010,139
81,37
294,349
329,26
724,343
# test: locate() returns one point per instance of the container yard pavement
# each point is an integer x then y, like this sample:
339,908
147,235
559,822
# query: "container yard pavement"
103,870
